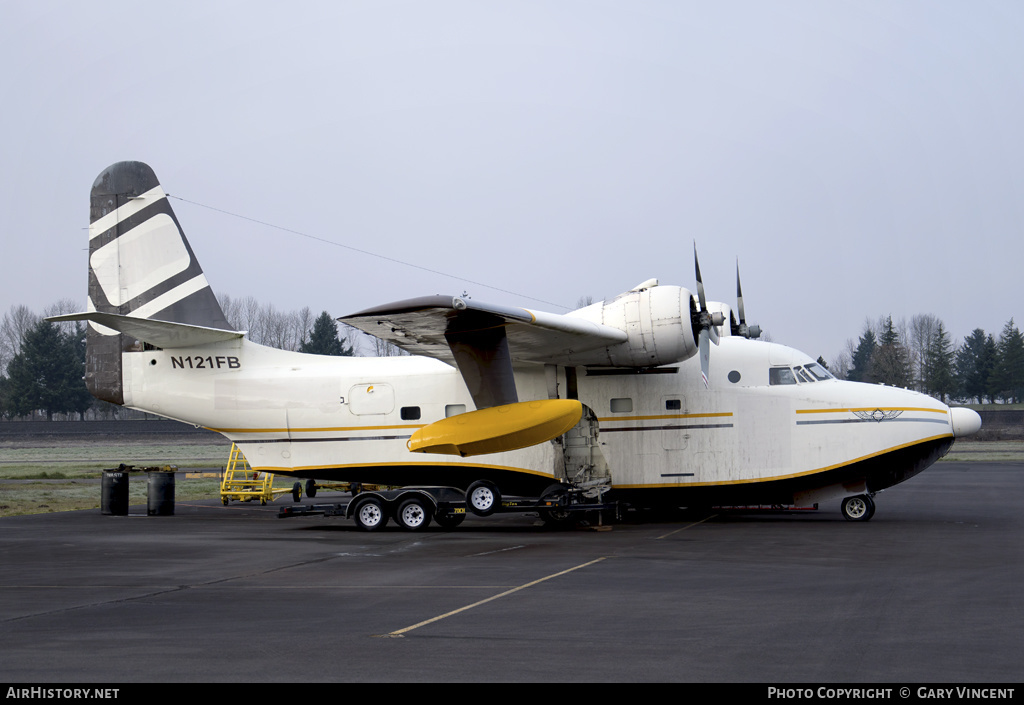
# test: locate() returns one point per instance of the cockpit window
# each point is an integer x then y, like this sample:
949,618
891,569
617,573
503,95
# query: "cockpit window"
818,371
781,375
803,376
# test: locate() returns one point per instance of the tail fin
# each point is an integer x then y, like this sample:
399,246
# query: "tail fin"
140,265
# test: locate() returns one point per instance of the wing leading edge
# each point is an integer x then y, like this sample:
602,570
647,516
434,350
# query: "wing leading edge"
420,326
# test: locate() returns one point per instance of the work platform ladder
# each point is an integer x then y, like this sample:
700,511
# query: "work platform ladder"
243,484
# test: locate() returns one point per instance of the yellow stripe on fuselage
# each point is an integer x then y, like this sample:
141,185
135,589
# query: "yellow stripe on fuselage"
337,429
303,468
665,416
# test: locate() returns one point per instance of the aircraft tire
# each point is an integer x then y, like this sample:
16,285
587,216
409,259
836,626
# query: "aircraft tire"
449,521
413,514
369,514
483,498
858,508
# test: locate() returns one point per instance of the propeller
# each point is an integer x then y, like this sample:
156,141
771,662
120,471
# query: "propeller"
741,328
704,322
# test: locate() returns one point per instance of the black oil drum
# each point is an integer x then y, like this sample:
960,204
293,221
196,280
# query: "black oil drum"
114,497
160,493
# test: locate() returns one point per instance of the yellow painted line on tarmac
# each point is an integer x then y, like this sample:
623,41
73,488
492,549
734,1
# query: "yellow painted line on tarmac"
399,633
688,526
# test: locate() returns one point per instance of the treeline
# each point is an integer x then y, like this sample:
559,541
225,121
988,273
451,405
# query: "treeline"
921,355
42,364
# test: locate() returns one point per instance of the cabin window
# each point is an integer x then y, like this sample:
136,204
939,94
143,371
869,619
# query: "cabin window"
410,413
734,376
673,404
622,405
781,375
454,409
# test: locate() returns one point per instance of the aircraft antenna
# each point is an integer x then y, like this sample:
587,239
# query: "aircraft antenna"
368,253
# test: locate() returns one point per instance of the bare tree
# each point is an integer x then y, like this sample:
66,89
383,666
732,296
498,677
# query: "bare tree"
841,363
15,324
382,348
923,328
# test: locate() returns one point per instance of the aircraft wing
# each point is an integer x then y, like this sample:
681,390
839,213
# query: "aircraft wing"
483,340
425,325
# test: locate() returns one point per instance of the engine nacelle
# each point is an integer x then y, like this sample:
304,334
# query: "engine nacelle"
657,321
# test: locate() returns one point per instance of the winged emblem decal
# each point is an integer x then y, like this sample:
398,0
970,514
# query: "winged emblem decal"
878,415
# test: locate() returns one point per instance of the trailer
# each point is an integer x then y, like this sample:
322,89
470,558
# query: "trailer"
413,508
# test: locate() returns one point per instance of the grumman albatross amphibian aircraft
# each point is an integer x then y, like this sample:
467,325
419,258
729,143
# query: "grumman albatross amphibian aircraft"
655,397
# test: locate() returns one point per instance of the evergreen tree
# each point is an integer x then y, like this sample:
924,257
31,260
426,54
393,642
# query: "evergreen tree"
860,367
890,363
5,403
47,374
1007,378
323,338
973,365
938,365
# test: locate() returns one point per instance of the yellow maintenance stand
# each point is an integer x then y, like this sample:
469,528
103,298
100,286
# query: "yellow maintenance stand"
243,484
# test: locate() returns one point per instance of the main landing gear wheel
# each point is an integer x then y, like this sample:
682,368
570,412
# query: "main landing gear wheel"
370,515
859,508
483,498
413,514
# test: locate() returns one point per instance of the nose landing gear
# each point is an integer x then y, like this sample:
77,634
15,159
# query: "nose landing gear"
858,508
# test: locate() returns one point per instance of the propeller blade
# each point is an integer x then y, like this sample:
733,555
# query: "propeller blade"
739,296
704,346
700,282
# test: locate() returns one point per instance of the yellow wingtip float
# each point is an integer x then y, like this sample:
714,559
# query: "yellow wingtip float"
498,428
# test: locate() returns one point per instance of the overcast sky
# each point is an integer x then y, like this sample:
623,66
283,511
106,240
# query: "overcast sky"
858,158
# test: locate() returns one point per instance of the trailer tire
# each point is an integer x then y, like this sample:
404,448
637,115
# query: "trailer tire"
483,498
557,518
297,491
449,521
310,488
413,514
369,514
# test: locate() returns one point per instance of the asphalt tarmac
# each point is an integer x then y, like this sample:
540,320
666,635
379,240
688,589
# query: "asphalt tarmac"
926,592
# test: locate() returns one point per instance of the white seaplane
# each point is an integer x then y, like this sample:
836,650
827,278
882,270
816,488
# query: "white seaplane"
655,397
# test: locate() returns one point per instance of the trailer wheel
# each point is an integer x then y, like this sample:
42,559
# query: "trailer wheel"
449,521
370,515
297,491
413,514
310,488
483,498
556,518
859,508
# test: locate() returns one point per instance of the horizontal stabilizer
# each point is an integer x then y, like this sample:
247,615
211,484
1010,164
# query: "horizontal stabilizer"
161,334
499,428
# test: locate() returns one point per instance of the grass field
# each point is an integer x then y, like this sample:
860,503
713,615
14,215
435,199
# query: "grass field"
66,476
